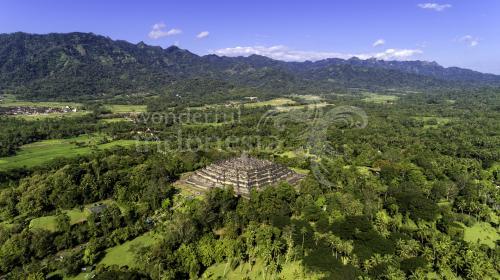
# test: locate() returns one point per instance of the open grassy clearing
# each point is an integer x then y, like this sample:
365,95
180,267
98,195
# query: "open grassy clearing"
76,216
121,109
115,120
289,154
291,270
51,115
295,153
303,153
81,276
211,106
272,102
122,254
38,153
14,103
7,98
49,222
379,98
439,120
6,224
363,170
482,233
282,104
10,101
308,97
300,170
204,124
432,121
297,107
187,190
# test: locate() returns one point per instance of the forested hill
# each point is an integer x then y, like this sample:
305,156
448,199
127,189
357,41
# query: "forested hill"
85,65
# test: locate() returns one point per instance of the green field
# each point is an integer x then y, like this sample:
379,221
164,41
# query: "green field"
291,270
121,109
114,108
51,115
38,153
10,101
289,154
310,106
308,97
300,170
433,122
81,276
114,120
305,153
121,255
272,102
482,233
204,124
76,215
49,222
379,98
13,103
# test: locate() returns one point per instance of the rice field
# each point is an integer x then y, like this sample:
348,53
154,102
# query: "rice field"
10,101
298,107
38,153
115,120
379,98
272,102
19,103
121,109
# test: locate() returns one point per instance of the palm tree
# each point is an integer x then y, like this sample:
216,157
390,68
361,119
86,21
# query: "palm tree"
334,243
303,231
461,205
344,260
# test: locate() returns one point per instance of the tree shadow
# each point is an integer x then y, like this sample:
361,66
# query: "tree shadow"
319,258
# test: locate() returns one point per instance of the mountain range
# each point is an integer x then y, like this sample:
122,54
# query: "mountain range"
84,65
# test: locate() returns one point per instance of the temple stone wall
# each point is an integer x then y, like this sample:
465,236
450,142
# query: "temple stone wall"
243,173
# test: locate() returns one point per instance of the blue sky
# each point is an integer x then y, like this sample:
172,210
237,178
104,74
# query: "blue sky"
463,33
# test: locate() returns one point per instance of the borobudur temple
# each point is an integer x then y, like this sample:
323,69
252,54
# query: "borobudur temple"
243,173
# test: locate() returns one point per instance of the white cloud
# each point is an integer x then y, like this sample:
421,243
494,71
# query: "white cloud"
159,31
202,34
281,52
434,6
397,54
469,40
379,42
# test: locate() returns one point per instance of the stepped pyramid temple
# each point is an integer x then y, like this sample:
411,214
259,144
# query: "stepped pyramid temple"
243,173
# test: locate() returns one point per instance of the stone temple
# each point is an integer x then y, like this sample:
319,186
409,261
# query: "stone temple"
243,173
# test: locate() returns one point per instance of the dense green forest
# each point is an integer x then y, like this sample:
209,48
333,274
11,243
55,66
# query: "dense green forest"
412,193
